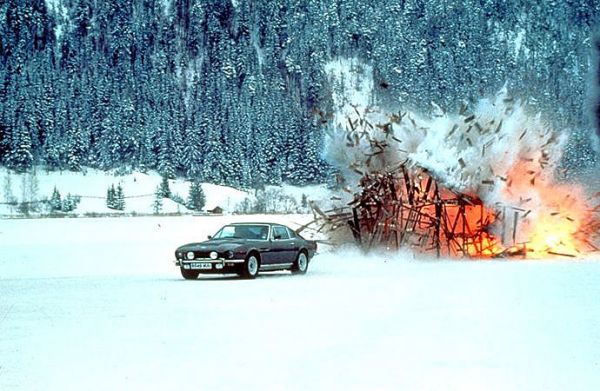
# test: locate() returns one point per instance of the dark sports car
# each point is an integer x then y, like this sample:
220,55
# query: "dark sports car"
246,249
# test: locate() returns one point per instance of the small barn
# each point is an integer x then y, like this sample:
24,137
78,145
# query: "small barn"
217,210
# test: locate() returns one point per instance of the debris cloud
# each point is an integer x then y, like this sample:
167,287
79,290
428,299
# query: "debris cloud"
479,182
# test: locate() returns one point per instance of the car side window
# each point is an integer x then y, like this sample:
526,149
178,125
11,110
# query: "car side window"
264,233
280,233
292,233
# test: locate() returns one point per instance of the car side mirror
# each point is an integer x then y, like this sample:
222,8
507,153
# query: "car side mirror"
209,237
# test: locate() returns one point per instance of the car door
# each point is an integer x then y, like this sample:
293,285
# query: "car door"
296,243
283,245
267,247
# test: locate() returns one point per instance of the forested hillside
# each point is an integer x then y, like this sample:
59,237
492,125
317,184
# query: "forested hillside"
225,91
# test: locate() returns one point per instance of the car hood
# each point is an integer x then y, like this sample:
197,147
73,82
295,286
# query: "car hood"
214,245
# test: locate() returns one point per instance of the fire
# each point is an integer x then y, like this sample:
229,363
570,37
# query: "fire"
553,235
408,207
472,231
556,218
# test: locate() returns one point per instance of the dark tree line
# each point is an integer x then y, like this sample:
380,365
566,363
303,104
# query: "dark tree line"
224,91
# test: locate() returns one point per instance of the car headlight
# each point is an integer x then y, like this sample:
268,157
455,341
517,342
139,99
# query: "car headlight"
214,255
190,255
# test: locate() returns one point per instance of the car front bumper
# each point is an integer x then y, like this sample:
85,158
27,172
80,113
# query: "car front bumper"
209,265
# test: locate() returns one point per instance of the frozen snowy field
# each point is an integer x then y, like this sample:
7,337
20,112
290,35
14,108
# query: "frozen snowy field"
96,304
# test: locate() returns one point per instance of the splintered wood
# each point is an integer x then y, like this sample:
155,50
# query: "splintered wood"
408,208
401,209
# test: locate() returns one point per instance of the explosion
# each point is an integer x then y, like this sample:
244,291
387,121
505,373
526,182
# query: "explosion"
477,183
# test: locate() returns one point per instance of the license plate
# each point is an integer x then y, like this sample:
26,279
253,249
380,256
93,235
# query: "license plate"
201,265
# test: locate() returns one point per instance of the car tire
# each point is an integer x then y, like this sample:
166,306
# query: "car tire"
251,266
301,264
189,274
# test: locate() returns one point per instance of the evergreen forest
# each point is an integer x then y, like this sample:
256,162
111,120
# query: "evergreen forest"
225,91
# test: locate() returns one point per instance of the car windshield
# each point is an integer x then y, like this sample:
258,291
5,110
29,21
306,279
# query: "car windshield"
243,231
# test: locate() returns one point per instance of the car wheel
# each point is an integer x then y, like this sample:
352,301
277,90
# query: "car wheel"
251,267
301,264
189,274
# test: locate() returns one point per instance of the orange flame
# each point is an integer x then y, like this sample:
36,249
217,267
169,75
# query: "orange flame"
553,220
556,218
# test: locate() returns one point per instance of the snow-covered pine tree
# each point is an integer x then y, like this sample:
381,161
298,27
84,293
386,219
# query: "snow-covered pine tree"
70,203
119,198
192,152
55,201
67,204
166,163
157,204
76,147
20,156
196,198
111,197
165,191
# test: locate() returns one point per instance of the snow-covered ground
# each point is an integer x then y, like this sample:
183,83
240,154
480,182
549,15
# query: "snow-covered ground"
96,304
139,189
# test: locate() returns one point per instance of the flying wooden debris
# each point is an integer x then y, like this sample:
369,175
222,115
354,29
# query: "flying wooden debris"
522,134
561,254
499,127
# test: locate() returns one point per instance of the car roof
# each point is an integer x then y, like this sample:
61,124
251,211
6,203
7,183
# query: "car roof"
256,223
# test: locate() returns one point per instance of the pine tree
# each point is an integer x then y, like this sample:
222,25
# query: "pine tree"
119,198
164,187
55,201
196,197
111,197
70,203
157,204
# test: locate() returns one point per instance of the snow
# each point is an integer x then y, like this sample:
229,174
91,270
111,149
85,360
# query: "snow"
260,57
97,304
352,86
518,43
61,12
139,189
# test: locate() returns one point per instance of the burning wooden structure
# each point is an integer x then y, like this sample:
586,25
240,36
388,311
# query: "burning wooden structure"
409,208
500,155
397,209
